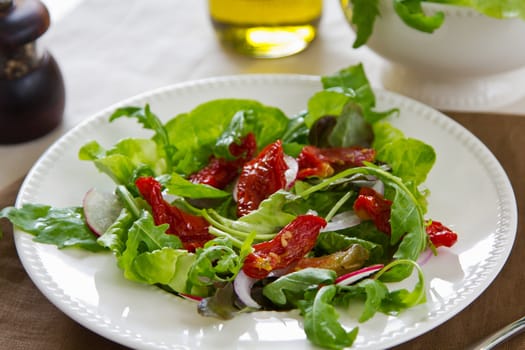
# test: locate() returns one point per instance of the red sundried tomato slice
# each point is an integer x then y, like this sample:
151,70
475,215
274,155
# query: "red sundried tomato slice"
220,172
323,162
440,235
371,205
288,246
191,229
260,177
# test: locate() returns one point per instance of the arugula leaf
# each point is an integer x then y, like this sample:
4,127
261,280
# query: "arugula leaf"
406,221
290,288
412,14
372,291
365,13
331,242
179,186
63,227
402,299
320,320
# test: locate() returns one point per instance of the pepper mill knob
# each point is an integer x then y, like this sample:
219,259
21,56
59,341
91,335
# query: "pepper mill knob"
32,93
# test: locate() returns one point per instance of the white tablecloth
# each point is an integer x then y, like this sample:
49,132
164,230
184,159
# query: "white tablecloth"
111,50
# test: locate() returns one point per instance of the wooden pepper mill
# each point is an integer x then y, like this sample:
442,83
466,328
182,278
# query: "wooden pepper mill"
32,94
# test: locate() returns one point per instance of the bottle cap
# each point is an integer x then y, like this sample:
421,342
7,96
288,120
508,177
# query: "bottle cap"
22,21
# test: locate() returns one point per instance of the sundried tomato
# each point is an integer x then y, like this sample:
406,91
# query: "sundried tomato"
440,235
287,247
219,172
191,229
323,162
260,177
371,205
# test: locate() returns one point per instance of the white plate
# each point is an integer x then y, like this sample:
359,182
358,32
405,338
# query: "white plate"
470,192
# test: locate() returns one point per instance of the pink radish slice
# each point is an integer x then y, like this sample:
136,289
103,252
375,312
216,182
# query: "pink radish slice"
101,209
354,276
190,297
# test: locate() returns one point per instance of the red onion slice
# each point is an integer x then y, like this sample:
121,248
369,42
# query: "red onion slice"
242,285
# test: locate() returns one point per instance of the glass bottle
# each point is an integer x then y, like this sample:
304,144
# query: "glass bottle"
32,94
266,28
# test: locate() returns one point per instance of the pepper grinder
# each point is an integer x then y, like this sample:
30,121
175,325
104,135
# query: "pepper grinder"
32,93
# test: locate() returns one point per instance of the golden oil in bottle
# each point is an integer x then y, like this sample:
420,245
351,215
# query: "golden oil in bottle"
266,28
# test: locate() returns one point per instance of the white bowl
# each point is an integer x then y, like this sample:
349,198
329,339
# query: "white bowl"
471,62
468,43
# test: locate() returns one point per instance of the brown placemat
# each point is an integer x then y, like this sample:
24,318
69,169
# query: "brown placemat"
29,321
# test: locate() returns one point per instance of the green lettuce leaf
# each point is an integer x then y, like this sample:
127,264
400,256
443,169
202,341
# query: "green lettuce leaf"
63,227
195,134
152,122
126,160
409,158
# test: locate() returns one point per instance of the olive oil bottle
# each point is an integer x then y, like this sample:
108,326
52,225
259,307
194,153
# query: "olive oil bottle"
266,28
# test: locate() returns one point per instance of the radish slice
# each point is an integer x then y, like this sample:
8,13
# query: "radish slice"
190,297
341,221
242,284
354,276
101,209
291,173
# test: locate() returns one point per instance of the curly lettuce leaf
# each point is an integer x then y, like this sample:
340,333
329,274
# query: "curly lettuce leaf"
195,134
217,262
127,159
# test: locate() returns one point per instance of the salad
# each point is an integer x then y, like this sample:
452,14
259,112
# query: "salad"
241,208
363,13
